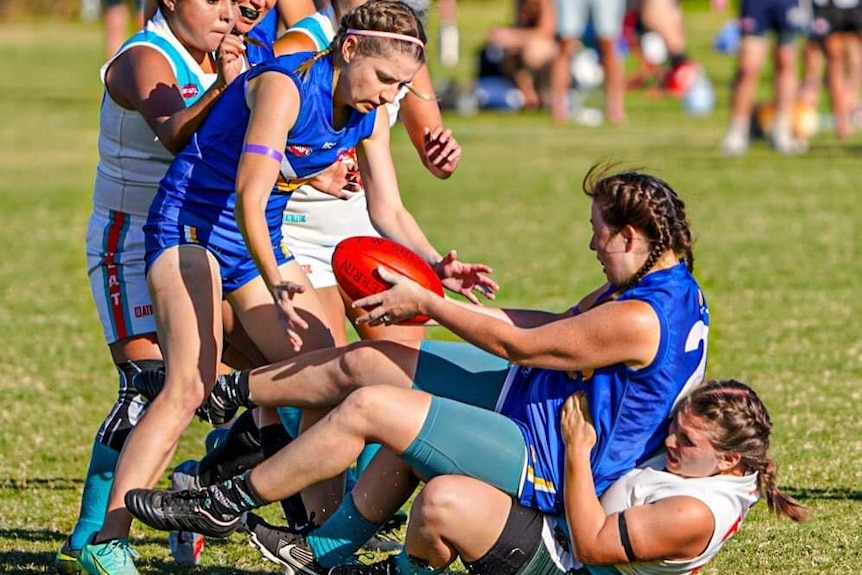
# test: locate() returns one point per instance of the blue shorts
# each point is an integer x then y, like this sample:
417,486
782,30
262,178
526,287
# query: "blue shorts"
783,17
236,266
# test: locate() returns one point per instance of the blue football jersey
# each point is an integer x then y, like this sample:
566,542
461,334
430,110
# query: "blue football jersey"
199,186
629,408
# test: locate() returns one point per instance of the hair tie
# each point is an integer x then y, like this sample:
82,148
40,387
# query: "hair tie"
391,35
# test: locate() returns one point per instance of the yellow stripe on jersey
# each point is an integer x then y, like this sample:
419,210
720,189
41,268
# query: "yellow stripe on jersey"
191,234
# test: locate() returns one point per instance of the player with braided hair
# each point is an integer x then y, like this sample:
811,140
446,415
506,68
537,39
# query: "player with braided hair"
487,410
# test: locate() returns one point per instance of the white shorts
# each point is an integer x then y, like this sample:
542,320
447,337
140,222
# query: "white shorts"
115,265
606,15
314,223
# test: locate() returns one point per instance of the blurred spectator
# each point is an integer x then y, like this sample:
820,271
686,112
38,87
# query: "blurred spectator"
665,19
835,30
785,19
607,20
522,53
118,18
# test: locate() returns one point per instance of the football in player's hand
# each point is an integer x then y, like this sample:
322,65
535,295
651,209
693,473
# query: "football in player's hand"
356,259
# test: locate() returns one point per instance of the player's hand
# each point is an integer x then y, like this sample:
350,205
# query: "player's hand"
575,425
341,180
402,301
442,151
230,59
465,278
282,294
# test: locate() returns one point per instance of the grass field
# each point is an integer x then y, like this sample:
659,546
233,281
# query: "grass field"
777,251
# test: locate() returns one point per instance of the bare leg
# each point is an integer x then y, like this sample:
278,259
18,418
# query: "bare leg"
836,64
323,378
614,81
330,446
786,83
456,516
665,17
186,293
752,55
116,19
809,91
561,80
384,487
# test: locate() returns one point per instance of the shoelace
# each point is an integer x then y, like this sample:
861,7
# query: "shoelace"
124,548
185,501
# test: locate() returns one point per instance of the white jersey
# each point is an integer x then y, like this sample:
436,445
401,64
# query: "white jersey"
729,497
314,221
131,159
131,163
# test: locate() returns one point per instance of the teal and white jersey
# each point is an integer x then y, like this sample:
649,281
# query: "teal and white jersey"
131,159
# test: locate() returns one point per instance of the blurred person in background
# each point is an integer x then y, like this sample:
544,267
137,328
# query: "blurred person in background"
836,33
785,19
524,51
572,19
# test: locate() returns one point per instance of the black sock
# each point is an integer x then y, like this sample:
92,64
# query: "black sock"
237,387
675,60
234,496
272,439
240,451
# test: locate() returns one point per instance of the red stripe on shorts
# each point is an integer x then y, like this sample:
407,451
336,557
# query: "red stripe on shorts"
115,288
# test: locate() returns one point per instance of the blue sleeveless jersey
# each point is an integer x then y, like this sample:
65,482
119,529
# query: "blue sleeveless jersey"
198,190
630,408
262,36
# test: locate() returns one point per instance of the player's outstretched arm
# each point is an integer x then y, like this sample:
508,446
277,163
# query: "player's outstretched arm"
420,113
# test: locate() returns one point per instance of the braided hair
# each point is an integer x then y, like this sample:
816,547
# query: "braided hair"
388,16
738,422
646,203
391,16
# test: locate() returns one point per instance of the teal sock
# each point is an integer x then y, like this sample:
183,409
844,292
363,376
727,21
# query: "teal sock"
334,542
407,565
94,499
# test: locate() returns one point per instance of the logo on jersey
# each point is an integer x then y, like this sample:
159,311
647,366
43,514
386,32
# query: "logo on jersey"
328,145
143,310
298,150
189,91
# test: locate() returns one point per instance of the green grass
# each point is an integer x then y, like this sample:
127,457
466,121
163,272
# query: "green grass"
777,245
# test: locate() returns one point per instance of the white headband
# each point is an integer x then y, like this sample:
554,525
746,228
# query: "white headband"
392,35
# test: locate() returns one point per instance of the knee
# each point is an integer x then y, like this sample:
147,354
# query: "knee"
439,502
362,408
182,395
355,361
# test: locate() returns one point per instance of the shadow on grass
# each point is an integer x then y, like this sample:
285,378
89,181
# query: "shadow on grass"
24,562
58,483
57,537
831,493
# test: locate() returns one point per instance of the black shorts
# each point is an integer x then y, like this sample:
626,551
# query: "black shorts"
519,549
830,19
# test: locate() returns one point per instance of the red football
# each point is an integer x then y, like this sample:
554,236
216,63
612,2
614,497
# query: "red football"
356,259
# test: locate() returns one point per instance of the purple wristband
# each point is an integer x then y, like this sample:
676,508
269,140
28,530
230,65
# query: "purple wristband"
263,151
